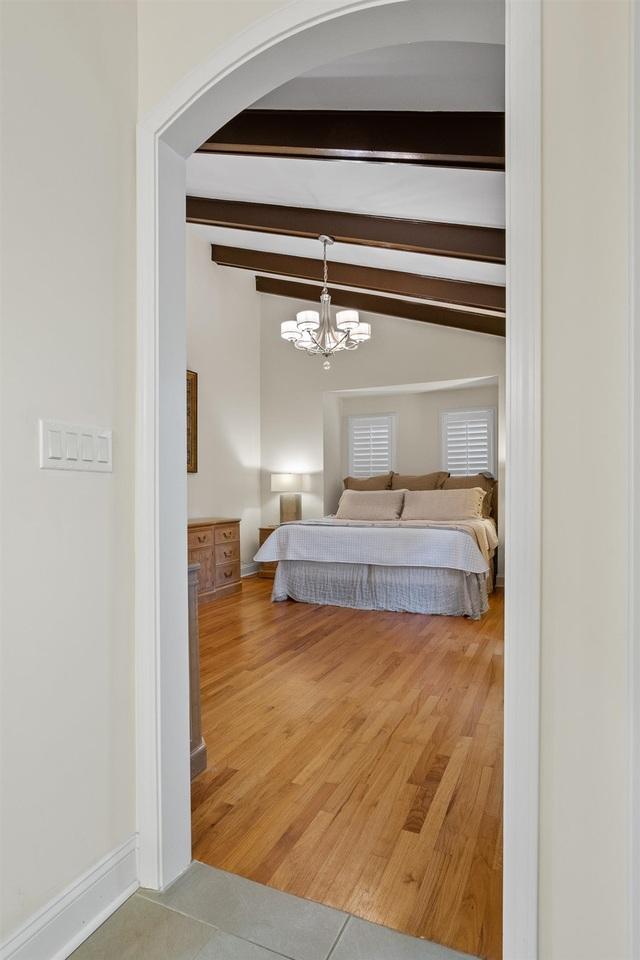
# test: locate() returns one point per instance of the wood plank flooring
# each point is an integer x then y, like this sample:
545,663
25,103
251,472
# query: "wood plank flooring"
355,758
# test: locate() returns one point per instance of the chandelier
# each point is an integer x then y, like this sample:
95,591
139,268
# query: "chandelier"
316,333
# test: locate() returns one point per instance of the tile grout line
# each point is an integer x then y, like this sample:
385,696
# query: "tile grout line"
212,926
337,940
285,956
189,916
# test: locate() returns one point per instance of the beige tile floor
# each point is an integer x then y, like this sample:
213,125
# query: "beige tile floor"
212,915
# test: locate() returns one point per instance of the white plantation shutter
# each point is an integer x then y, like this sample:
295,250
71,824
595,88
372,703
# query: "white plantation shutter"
371,444
468,441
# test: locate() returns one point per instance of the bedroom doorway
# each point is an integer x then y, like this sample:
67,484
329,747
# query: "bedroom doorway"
162,841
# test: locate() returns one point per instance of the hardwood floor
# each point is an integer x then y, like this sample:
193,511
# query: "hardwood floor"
355,758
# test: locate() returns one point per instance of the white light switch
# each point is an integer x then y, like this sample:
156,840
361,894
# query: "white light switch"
72,445
65,446
54,444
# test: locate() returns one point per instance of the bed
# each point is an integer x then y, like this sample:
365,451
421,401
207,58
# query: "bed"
435,567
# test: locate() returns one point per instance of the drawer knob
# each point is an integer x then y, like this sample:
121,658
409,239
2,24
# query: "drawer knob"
201,539
228,573
226,535
227,554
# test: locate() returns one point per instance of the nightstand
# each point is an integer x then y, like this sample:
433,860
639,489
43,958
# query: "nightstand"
267,570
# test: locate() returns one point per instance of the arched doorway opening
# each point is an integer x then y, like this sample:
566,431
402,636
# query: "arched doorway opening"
273,51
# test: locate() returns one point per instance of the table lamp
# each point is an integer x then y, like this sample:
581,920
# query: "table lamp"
288,485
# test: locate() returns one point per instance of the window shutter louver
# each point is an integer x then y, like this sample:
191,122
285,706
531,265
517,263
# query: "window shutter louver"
370,445
468,442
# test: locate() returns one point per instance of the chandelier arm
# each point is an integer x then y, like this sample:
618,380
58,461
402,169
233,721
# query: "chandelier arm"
315,340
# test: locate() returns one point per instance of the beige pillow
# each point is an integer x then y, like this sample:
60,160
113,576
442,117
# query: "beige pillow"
443,504
380,482
488,484
418,481
370,505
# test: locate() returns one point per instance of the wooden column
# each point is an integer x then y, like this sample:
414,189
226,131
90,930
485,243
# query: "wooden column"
198,746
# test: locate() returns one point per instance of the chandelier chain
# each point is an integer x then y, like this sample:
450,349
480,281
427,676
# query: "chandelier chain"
326,267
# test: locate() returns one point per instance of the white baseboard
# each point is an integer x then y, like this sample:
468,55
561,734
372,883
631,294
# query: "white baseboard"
248,569
67,920
499,581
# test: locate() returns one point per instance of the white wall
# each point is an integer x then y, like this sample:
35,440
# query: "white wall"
174,36
584,905
223,347
418,436
68,348
294,386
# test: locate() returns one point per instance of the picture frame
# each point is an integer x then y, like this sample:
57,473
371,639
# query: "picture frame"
192,421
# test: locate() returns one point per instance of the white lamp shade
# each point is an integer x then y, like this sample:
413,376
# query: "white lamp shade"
289,331
347,319
308,320
361,333
286,482
305,341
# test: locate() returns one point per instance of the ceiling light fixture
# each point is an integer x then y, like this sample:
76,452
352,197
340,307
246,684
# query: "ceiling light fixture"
316,333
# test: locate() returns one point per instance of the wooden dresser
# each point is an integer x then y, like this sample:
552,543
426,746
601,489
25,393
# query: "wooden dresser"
214,543
267,570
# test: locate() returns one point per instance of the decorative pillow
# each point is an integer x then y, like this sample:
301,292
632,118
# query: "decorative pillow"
419,481
380,482
488,484
443,504
370,505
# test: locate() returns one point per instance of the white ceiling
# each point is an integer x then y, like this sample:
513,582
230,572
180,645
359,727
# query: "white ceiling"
431,386
443,75
381,189
406,261
416,76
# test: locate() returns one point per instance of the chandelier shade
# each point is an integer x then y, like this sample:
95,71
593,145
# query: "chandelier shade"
362,332
315,332
305,341
308,320
347,319
289,331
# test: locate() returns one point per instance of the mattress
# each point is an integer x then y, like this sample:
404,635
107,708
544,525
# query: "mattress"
394,544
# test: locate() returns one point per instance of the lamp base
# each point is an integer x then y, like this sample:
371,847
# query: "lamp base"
290,507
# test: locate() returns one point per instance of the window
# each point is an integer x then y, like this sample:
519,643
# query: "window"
371,444
468,441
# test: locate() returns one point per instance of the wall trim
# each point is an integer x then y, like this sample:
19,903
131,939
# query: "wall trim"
523,498
271,51
248,568
633,488
67,920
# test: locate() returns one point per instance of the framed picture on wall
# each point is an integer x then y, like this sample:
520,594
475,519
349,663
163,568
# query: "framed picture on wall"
192,422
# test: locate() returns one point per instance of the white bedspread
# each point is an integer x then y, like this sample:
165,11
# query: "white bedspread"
393,543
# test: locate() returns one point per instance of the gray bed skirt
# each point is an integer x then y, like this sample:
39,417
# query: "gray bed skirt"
438,590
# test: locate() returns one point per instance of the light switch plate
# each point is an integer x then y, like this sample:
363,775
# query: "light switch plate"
67,446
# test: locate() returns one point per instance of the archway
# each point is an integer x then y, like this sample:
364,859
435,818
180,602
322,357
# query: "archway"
293,40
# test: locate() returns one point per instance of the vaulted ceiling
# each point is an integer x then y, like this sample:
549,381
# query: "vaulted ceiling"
399,155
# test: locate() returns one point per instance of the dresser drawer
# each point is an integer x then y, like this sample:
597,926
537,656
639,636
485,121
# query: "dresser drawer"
227,573
200,537
227,533
226,552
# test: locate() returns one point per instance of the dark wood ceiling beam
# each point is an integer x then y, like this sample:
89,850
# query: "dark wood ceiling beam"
388,306
486,296
486,244
456,139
